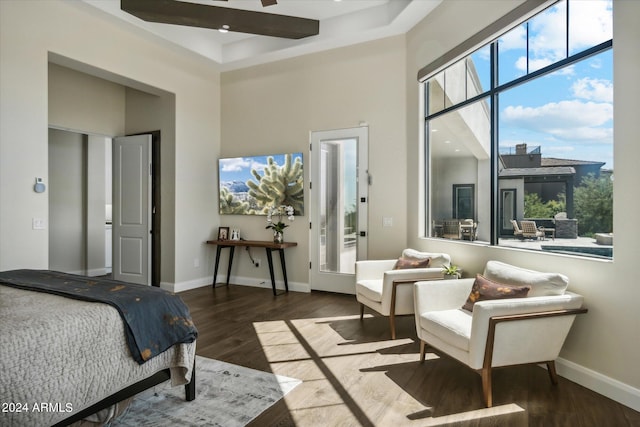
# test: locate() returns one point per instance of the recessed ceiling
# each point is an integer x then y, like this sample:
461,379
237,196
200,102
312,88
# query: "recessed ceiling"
342,23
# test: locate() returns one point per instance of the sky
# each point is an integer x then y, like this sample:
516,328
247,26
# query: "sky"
239,168
569,113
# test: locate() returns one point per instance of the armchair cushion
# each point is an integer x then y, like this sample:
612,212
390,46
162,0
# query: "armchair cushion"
371,289
451,326
541,284
485,289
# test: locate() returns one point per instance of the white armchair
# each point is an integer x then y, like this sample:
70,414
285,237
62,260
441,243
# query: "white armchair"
498,332
388,291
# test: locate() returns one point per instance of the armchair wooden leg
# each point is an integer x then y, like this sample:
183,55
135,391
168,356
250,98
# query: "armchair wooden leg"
392,324
422,350
551,368
486,386
361,311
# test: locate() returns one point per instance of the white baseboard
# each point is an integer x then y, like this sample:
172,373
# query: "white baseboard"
613,389
96,272
185,286
236,280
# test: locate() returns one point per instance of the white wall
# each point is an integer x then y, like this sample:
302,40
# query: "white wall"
65,186
30,32
270,109
602,349
84,104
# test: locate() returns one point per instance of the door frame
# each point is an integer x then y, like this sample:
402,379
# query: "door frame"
337,282
156,240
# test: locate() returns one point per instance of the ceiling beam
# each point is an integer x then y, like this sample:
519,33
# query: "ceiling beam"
214,17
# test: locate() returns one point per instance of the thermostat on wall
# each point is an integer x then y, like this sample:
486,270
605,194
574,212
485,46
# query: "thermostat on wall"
39,187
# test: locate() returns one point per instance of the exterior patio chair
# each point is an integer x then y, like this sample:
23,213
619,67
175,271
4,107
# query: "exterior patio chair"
530,230
451,229
516,230
468,229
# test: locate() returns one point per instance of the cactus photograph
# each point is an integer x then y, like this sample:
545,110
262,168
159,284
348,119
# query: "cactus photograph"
253,185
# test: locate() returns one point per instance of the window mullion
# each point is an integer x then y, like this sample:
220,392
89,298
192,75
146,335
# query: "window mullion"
493,234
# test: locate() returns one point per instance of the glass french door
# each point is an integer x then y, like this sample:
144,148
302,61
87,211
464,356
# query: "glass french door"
338,207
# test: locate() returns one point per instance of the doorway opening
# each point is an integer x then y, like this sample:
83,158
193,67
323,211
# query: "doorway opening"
80,201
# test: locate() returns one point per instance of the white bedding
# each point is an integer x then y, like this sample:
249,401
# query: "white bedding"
59,355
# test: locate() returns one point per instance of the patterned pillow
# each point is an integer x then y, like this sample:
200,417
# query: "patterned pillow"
405,262
484,289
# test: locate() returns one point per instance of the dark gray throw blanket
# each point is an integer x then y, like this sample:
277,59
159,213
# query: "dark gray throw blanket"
154,319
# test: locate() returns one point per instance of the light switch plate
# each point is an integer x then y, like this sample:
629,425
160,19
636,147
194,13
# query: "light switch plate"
387,221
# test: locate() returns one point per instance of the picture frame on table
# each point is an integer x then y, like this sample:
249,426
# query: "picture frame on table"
223,233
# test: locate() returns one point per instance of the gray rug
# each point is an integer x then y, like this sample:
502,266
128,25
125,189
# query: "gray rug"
227,395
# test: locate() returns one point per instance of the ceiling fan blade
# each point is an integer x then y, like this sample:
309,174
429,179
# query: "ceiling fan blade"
214,17
266,3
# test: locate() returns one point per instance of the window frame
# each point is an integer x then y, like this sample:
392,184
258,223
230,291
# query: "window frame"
492,93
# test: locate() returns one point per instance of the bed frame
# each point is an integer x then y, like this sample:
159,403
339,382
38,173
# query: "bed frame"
132,390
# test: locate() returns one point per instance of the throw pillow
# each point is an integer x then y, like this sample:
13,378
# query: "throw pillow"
485,289
404,263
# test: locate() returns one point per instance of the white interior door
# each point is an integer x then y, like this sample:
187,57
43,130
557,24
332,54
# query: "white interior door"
131,209
338,207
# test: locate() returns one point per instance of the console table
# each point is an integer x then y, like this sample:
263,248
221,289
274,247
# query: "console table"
269,246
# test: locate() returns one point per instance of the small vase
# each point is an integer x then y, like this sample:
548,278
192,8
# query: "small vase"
278,237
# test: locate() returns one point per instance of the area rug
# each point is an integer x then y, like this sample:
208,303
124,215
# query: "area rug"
227,395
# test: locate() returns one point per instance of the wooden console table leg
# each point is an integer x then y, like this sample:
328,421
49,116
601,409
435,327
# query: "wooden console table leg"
284,270
215,269
232,249
273,279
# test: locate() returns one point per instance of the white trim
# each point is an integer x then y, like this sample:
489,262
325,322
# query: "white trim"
606,386
236,280
96,272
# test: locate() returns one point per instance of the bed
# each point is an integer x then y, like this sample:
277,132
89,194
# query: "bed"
65,357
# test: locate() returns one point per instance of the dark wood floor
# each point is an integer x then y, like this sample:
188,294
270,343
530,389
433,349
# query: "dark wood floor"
354,375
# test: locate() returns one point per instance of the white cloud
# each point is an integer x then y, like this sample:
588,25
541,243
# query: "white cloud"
599,90
584,134
567,120
233,165
514,39
258,166
547,34
590,24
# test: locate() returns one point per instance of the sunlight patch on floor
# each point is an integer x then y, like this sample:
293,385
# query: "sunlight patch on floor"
360,379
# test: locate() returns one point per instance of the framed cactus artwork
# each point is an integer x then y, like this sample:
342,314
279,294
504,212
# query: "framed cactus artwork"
252,185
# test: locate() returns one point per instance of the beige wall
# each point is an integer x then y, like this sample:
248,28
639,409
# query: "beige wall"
271,109
81,102
602,350
33,31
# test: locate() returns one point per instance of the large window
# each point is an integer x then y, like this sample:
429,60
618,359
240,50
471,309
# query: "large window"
520,131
